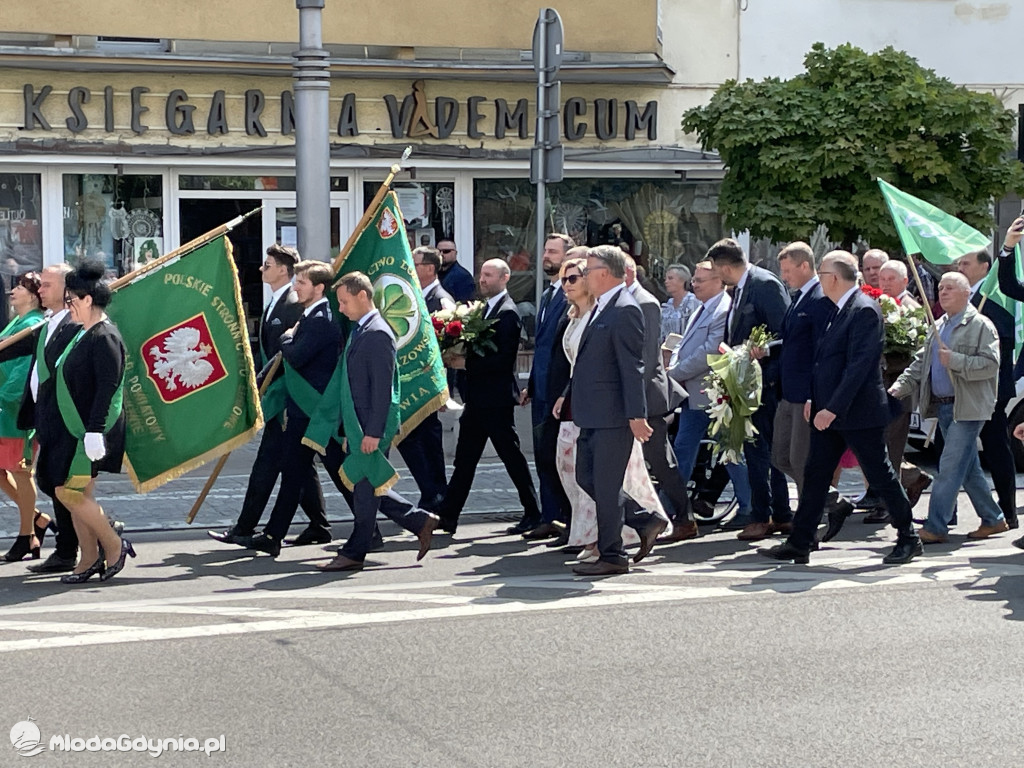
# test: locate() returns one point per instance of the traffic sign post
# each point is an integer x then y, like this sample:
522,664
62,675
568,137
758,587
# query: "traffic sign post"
548,154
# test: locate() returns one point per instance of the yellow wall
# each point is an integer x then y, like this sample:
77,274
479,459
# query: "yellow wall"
593,25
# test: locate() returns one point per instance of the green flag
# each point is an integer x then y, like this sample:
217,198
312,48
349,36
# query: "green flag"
990,290
381,251
189,387
939,237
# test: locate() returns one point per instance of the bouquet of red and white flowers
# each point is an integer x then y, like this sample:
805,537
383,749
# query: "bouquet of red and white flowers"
462,330
905,327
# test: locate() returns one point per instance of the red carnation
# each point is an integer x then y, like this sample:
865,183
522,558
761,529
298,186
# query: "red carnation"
874,293
438,324
454,329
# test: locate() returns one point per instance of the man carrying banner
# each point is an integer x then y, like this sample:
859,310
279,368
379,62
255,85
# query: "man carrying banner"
310,351
369,397
280,315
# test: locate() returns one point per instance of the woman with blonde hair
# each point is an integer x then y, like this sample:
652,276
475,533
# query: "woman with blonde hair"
16,450
637,483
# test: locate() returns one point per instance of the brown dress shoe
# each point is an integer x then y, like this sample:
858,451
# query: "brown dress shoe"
918,486
931,538
989,530
783,528
600,568
341,563
755,532
426,534
648,536
681,532
545,531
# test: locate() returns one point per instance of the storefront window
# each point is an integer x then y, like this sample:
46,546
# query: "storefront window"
427,207
116,218
21,242
250,183
658,221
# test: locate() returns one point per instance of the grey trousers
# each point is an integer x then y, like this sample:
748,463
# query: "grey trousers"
792,441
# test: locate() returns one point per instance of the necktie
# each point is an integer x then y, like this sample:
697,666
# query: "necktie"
693,320
545,300
734,292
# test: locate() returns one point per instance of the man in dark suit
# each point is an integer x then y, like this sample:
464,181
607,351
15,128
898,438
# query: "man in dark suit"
804,323
848,408
759,298
370,367
310,352
609,405
50,340
423,447
664,395
281,314
995,435
455,278
555,508
492,393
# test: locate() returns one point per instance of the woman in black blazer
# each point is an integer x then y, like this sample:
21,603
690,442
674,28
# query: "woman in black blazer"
86,430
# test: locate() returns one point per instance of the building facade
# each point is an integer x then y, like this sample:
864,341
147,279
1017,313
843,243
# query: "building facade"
128,129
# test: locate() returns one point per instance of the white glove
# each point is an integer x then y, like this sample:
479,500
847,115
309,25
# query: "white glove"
94,447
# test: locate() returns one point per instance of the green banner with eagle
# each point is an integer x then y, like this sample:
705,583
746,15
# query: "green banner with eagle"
381,251
189,388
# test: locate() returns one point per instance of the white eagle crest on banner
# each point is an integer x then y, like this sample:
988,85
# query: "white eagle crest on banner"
181,361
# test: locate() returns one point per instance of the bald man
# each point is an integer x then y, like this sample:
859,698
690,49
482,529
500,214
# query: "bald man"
491,396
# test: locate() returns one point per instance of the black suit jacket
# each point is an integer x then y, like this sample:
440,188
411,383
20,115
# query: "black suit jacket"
802,328
434,299
370,364
763,301
663,394
607,387
847,377
312,352
285,314
558,366
1004,325
62,336
491,378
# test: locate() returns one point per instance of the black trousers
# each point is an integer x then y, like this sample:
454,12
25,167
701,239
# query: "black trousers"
423,452
554,503
476,427
661,460
266,468
601,459
826,448
995,442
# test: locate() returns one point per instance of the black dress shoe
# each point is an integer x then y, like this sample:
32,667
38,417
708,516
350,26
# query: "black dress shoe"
650,535
447,524
311,536
524,525
837,515
787,553
561,541
264,543
868,501
54,564
1018,543
231,536
904,551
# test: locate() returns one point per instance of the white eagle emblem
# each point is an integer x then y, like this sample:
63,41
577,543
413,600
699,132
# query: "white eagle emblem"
182,359
388,224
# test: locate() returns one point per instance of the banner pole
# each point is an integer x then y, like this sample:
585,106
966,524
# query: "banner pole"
274,365
191,245
920,289
370,212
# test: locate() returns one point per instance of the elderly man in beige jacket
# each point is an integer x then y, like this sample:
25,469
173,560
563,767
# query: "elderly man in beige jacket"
953,377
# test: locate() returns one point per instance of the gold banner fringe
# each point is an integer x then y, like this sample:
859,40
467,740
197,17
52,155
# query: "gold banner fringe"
431,406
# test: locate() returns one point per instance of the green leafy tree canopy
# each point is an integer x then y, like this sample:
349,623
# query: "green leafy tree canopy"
807,151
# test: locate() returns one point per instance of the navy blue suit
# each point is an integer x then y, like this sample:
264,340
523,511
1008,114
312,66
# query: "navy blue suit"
554,504
313,352
847,380
762,301
802,328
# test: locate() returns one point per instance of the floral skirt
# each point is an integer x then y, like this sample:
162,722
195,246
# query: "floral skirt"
637,483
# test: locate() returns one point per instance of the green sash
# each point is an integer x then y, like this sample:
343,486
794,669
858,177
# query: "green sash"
42,369
372,467
81,465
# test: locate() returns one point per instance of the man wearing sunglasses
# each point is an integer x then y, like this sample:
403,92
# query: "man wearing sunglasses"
455,278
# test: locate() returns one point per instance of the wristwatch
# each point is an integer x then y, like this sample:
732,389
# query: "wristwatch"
1007,251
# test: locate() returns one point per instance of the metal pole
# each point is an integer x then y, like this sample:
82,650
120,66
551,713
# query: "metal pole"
542,141
312,142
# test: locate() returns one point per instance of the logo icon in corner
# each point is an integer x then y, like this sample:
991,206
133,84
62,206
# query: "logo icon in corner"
388,224
183,359
25,738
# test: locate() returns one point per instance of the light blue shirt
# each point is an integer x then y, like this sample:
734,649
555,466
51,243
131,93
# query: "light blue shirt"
942,385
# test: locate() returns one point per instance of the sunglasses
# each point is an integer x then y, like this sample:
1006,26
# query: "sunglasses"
446,250
571,279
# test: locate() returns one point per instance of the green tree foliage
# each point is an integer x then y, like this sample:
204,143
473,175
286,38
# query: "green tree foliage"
807,151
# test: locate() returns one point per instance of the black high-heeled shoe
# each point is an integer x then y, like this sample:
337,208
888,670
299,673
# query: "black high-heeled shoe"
115,568
22,546
41,530
88,573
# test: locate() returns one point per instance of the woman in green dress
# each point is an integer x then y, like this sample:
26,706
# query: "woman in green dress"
15,455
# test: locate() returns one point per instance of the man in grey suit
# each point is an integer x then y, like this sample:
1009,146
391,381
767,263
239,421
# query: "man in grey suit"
369,363
689,365
663,396
609,406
